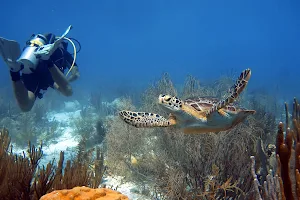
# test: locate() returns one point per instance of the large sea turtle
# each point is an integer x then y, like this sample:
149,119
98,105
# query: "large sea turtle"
195,115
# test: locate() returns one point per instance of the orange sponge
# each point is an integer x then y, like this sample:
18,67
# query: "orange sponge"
85,193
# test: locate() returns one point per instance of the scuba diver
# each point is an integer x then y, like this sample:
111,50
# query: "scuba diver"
41,65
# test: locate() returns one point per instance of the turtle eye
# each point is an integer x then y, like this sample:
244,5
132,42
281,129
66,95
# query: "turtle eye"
167,98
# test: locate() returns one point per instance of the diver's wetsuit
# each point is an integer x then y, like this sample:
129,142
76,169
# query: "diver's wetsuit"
41,78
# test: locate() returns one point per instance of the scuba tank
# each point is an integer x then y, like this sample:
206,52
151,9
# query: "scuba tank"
39,47
28,58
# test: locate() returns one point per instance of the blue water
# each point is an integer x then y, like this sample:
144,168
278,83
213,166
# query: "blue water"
126,45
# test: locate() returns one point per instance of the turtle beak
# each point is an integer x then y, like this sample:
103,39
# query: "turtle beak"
160,98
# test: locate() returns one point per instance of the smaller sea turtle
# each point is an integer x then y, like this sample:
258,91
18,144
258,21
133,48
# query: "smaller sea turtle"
195,115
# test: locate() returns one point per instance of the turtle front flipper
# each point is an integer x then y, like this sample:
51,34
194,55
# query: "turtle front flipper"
144,119
235,91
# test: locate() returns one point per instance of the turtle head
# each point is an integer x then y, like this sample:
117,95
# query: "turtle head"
170,103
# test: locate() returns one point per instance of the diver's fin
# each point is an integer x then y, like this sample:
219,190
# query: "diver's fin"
10,52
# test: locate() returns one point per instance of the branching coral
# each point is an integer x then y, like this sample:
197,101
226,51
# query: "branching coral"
28,131
23,128
21,178
164,85
286,183
191,88
39,110
264,121
283,151
89,127
97,102
17,171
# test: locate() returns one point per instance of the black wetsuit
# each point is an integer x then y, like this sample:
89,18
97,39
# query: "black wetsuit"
41,78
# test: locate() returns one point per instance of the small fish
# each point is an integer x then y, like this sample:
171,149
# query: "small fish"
133,160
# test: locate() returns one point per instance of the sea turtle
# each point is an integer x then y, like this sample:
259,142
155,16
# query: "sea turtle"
195,115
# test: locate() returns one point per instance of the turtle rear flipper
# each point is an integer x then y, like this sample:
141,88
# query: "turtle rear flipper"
236,90
223,113
242,115
144,119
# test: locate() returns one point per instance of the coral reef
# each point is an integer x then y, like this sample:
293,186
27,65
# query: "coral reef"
163,163
31,126
80,193
21,177
285,183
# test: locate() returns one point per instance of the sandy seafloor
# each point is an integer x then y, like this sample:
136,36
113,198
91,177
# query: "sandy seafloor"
67,143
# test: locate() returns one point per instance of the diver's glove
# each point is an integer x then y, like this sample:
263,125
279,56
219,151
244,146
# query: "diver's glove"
50,62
